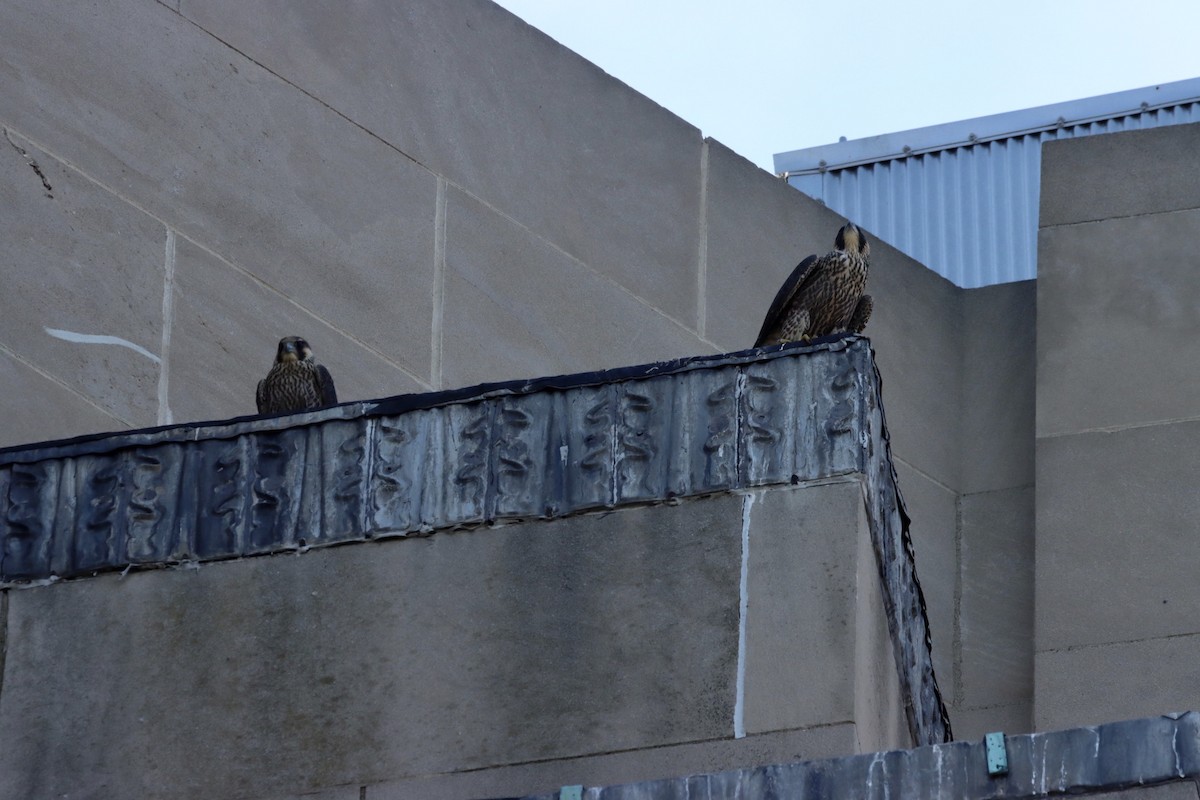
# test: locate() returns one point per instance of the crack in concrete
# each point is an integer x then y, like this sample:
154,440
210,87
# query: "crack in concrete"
33,164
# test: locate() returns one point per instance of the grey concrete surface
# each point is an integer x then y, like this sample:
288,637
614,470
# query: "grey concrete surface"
757,228
175,121
554,127
997,604
78,259
880,714
1085,685
226,326
376,661
611,768
917,332
999,386
1116,520
1122,174
1116,469
1107,291
934,513
59,411
803,545
972,724
517,306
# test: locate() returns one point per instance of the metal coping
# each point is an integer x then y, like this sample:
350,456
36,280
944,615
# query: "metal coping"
398,404
965,133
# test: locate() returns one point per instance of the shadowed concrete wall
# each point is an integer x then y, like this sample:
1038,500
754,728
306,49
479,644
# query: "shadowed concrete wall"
436,194
1118,606
400,663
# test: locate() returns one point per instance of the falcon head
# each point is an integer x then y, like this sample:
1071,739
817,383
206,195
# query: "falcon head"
851,239
293,348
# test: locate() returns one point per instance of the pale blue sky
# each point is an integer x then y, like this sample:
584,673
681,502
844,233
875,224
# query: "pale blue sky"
768,76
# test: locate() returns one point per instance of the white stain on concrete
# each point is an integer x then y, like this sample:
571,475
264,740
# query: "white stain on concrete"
98,338
168,322
739,701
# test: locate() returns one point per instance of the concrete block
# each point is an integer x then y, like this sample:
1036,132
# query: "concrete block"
517,306
916,330
405,657
757,229
1120,174
880,705
1116,519
1113,342
971,724
225,328
801,606
1091,685
996,617
205,139
827,741
80,260
934,513
475,94
999,370
35,408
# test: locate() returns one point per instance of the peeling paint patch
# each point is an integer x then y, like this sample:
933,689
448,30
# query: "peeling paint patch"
97,338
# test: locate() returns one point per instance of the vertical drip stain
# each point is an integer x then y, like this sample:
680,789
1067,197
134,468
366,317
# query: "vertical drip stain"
168,320
739,703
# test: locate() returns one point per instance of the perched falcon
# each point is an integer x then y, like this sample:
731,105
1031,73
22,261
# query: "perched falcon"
823,295
296,382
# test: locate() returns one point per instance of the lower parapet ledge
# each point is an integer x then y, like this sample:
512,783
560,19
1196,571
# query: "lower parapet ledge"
1118,759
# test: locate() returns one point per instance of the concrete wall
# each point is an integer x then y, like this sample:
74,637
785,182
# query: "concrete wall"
435,194
993,681
1118,607
471,664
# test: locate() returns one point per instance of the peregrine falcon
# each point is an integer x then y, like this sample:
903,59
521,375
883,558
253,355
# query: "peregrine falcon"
296,382
823,295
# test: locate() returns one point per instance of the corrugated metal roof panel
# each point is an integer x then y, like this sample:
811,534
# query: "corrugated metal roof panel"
968,207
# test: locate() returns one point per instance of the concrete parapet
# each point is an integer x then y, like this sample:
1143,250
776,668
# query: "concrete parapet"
677,553
543,448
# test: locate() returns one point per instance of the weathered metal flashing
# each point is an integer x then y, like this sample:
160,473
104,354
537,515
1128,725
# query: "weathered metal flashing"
541,448
1079,762
416,464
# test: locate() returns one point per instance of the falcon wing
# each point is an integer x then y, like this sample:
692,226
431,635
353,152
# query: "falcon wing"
326,387
786,292
260,396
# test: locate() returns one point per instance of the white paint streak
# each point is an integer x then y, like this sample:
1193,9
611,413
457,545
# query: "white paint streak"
97,338
702,250
168,321
439,284
1175,750
739,702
